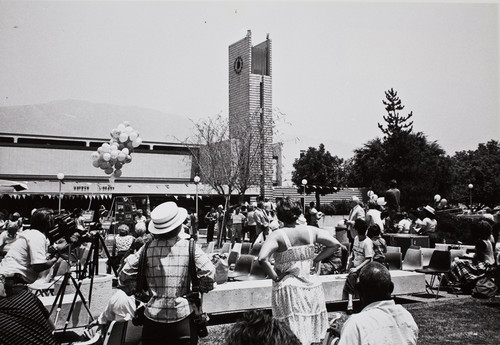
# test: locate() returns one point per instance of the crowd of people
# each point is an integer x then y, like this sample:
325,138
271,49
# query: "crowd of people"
159,253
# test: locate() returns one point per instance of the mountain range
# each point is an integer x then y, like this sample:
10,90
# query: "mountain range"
76,118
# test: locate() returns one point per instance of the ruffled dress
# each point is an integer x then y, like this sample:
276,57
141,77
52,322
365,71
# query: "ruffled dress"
298,298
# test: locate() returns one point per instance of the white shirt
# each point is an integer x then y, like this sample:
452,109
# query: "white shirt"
373,216
380,323
120,307
29,248
362,250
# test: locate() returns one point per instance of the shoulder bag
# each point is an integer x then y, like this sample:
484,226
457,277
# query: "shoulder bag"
141,293
200,318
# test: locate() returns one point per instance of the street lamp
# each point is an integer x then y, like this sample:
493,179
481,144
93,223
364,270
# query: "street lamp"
196,181
60,177
304,182
470,186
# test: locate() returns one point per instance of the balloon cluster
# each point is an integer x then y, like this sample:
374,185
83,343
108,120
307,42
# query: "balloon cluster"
113,155
374,197
440,201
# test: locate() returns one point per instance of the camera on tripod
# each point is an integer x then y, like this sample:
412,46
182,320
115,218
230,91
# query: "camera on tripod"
64,227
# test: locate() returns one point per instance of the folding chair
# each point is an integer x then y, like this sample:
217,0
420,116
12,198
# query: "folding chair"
426,255
133,336
237,248
392,249
246,247
226,248
232,258
439,264
115,335
210,247
393,260
413,260
242,267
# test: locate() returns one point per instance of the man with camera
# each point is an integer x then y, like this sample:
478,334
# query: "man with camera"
170,314
27,256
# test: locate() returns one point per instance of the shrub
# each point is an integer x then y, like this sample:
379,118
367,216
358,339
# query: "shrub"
455,228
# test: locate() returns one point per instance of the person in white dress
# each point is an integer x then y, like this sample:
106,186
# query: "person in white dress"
293,250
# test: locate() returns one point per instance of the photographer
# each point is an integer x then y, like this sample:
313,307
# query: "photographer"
169,314
27,256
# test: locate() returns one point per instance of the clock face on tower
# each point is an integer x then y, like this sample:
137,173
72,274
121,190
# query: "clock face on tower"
238,65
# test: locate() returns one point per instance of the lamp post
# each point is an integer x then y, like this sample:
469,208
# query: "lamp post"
196,181
304,183
60,177
470,186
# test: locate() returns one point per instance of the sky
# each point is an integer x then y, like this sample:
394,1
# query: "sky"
331,63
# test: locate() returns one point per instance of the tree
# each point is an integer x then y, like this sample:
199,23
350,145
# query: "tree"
420,167
395,123
479,167
322,171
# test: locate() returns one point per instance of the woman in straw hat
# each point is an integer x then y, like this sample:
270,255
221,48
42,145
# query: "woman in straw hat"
168,314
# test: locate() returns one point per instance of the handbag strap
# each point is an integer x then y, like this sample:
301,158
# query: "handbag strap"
195,282
141,274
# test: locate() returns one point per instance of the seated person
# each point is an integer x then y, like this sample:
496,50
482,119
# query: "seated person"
466,271
381,321
121,245
379,244
120,307
330,261
361,254
27,256
258,327
7,238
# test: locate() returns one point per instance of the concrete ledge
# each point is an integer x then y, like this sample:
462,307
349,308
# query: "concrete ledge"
238,296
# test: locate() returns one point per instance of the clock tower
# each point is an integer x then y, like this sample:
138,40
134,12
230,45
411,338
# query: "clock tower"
250,107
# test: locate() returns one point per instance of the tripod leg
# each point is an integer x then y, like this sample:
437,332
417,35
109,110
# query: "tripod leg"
78,293
60,297
107,253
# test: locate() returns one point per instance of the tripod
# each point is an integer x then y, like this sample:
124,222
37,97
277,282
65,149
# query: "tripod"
58,301
91,264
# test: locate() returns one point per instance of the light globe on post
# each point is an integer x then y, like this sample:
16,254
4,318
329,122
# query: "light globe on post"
304,183
470,186
196,182
60,177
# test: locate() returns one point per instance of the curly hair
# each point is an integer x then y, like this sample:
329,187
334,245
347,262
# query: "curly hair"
288,211
257,328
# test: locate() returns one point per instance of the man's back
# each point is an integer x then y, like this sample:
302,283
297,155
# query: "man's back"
380,323
392,198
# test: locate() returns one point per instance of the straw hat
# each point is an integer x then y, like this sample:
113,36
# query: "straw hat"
166,217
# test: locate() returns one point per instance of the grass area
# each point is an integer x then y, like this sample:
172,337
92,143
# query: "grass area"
448,321
458,321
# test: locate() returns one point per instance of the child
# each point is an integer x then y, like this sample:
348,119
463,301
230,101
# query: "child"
362,253
379,244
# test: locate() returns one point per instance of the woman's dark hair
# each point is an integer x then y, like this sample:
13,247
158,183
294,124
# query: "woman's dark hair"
288,211
373,230
42,220
258,327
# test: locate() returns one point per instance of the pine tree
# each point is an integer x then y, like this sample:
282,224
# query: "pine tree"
395,122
